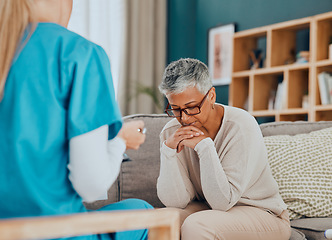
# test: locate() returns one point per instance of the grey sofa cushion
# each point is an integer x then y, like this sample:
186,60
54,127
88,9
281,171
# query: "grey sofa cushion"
292,128
297,235
313,228
138,177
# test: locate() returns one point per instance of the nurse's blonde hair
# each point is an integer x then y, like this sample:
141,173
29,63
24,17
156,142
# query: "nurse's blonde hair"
15,16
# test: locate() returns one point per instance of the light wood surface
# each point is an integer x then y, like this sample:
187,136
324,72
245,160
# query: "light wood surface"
162,225
253,87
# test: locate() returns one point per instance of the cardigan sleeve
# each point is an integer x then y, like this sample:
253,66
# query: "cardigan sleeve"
174,187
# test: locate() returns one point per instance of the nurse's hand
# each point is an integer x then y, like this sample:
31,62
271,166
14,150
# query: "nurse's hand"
132,135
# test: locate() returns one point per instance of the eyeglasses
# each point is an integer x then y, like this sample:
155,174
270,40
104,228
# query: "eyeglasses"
190,111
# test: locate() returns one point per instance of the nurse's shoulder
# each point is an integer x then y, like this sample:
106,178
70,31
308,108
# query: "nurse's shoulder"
69,44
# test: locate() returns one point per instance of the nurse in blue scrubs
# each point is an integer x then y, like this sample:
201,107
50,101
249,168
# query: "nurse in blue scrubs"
61,131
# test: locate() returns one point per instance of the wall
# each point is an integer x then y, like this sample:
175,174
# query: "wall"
189,21
181,29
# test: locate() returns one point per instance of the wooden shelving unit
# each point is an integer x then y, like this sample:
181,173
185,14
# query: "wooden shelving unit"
251,89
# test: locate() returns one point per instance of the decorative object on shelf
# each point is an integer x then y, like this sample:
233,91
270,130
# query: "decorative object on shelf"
220,53
302,57
305,101
256,59
292,57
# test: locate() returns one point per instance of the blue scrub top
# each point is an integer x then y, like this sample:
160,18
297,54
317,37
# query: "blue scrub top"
60,86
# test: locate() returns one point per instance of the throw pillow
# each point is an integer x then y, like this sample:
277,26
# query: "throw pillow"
302,167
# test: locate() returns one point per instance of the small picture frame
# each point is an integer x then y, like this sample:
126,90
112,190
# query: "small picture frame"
220,53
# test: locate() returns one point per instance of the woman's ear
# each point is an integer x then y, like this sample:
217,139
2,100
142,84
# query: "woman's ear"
213,95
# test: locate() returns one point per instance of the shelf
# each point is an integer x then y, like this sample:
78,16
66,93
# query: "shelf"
296,66
241,85
262,71
255,90
272,70
258,71
323,16
324,34
324,63
245,43
285,42
264,86
265,113
296,24
324,115
257,32
297,79
243,73
293,117
262,113
323,107
293,111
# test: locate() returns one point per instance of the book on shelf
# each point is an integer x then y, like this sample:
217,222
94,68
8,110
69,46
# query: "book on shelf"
272,99
325,87
280,99
246,104
329,84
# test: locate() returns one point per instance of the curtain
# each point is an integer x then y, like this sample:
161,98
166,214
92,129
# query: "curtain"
133,34
145,57
102,22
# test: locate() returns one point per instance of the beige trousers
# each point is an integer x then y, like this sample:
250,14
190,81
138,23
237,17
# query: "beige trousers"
239,223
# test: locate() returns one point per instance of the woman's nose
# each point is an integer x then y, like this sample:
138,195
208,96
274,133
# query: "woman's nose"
184,117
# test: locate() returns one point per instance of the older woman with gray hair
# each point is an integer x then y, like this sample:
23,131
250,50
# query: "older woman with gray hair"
214,164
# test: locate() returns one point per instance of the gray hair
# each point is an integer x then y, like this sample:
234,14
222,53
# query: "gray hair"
184,73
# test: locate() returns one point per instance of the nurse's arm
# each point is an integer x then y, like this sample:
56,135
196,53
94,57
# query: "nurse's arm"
94,163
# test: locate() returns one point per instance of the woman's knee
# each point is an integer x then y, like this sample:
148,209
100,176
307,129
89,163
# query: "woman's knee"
194,227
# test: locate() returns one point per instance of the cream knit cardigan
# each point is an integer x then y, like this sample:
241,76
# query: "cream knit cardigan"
231,170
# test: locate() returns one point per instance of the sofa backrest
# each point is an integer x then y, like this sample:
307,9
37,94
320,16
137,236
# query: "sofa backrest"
292,128
138,177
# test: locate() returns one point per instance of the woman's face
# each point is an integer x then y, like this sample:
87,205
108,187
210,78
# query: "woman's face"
189,98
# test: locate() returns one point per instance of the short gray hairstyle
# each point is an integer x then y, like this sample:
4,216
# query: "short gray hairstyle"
184,73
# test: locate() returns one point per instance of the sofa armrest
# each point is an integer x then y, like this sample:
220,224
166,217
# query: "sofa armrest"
161,224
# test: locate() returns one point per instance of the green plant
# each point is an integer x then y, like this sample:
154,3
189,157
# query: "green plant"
150,91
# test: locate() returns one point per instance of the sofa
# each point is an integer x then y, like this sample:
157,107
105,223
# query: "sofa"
138,176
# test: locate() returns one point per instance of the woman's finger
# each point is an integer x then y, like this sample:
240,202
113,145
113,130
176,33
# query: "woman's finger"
189,131
179,147
185,136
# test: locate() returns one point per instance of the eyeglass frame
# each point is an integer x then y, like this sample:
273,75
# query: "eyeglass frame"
184,109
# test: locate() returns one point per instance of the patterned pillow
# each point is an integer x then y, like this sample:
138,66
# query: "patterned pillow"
302,166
